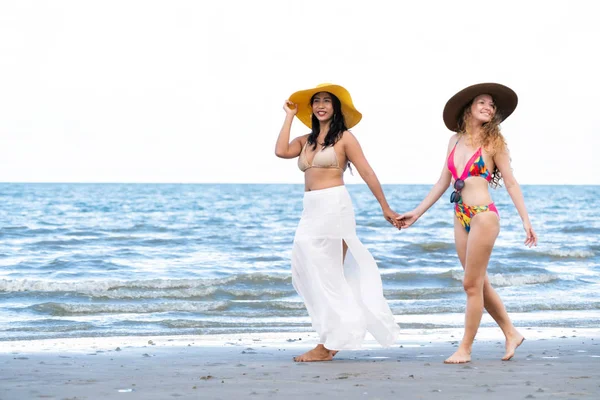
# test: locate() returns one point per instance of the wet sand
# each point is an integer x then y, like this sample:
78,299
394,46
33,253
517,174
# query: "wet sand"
551,364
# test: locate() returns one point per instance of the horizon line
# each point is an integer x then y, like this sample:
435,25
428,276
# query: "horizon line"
246,183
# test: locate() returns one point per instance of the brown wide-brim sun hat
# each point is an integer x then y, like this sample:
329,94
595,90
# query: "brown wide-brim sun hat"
302,101
504,97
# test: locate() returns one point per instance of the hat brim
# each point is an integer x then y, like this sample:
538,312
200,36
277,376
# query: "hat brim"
504,97
302,101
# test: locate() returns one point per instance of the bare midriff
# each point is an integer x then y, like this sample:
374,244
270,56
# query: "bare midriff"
322,178
476,191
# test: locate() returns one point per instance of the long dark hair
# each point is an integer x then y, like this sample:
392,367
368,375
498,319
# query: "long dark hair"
336,128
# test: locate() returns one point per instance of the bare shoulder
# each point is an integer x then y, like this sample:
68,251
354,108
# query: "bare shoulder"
348,135
302,139
348,138
497,149
452,141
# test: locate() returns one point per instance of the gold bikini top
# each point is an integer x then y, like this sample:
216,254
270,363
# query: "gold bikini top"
324,158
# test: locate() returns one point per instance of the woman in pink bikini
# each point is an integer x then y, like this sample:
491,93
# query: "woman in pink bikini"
479,152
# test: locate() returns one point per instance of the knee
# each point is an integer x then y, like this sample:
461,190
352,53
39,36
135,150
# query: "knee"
473,287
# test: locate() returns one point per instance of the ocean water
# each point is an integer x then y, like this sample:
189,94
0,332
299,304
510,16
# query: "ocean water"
81,260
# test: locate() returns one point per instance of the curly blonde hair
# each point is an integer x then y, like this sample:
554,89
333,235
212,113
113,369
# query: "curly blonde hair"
492,139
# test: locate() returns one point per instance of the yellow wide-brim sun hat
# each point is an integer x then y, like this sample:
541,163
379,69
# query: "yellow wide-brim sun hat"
302,101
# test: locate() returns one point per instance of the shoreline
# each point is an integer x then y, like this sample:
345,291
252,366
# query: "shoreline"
551,363
407,337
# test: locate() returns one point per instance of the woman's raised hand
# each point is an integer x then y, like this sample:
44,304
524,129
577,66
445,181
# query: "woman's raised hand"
290,108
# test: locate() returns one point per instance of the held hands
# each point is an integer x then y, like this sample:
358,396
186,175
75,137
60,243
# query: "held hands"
290,108
531,239
407,219
391,216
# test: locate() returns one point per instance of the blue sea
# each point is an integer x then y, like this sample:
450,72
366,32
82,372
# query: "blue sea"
80,260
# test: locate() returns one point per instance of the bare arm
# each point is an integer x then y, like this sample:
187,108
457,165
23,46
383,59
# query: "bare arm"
438,189
434,194
502,160
284,148
356,156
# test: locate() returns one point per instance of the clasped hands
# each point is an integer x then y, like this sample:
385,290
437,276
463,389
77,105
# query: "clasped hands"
400,220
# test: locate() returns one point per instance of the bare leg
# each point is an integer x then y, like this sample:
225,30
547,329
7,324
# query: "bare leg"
480,242
492,302
495,307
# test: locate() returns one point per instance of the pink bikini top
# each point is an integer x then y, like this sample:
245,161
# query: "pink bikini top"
474,167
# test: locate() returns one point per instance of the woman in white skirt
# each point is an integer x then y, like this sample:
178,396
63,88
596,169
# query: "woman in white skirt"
332,270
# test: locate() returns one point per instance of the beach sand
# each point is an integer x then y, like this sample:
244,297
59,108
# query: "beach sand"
551,364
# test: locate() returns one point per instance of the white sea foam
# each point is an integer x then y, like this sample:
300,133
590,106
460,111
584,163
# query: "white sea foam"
80,308
148,289
571,253
512,280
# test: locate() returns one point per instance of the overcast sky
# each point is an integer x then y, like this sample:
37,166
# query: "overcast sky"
192,91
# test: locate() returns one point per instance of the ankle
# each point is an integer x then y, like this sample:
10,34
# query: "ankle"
322,349
465,349
513,334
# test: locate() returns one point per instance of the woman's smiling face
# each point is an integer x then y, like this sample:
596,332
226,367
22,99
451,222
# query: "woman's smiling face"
483,108
322,106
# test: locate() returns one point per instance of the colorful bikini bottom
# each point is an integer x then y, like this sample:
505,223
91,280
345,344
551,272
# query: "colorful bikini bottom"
464,212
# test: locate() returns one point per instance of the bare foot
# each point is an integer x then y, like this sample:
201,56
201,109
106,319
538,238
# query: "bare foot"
461,356
319,353
511,346
333,352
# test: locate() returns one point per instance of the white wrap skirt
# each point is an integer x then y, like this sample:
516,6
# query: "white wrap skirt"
344,297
